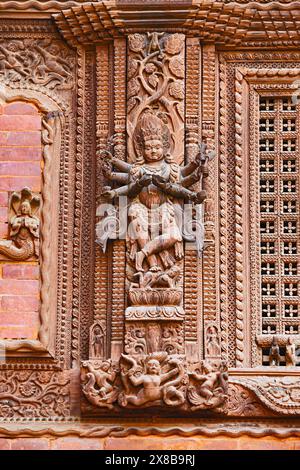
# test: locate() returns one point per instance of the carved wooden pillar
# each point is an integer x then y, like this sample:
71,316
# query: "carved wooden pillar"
118,253
101,299
209,259
192,262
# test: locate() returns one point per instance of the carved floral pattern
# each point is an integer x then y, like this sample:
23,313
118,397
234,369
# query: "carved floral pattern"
34,394
137,42
174,43
44,63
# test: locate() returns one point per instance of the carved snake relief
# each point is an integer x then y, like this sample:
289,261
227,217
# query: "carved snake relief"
171,395
19,249
24,227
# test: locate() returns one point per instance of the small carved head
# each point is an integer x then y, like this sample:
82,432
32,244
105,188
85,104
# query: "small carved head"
97,330
25,208
153,367
105,366
151,138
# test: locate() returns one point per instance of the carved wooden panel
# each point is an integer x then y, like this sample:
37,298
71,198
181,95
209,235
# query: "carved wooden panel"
192,309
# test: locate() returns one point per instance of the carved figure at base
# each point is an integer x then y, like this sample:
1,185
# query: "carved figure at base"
24,227
274,356
99,388
147,383
210,386
168,278
290,353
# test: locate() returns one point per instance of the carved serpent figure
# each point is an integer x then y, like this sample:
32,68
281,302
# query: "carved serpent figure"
24,227
18,249
171,395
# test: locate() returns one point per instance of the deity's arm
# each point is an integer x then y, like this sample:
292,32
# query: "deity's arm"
118,177
175,190
190,167
168,375
188,181
121,165
136,187
136,380
122,190
131,190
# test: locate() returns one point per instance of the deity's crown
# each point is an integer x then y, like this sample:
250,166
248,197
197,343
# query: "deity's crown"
151,127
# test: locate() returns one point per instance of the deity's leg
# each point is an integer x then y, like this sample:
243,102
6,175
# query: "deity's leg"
160,243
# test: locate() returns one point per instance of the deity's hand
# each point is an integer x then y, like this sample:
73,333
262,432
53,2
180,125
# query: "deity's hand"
199,197
108,193
145,180
204,170
159,181
107,168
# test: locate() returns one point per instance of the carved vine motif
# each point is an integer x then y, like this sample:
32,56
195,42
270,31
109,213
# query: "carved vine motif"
280,394
156,73
155,379
33,394
24,227
44,63
152,337
242,402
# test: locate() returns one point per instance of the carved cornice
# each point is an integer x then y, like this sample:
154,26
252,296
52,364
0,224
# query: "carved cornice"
222,22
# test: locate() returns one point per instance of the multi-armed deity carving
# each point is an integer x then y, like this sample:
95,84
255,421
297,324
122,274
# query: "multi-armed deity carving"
161,187
23,241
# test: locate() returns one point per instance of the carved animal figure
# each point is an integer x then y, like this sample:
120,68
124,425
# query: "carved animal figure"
103,378
290,353
154,45
212,391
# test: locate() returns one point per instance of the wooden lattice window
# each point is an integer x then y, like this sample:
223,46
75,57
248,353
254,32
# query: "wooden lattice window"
279,216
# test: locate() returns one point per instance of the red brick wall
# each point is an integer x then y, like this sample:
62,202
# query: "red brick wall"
20,166
151,443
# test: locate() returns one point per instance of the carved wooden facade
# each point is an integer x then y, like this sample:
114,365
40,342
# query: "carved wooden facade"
198,117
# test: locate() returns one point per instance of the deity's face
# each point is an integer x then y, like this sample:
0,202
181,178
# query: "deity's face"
153,150
25,208
153,367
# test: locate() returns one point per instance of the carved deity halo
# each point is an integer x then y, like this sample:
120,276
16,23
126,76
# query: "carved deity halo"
151,127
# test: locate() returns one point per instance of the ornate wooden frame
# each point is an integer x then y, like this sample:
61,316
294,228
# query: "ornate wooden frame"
216,107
